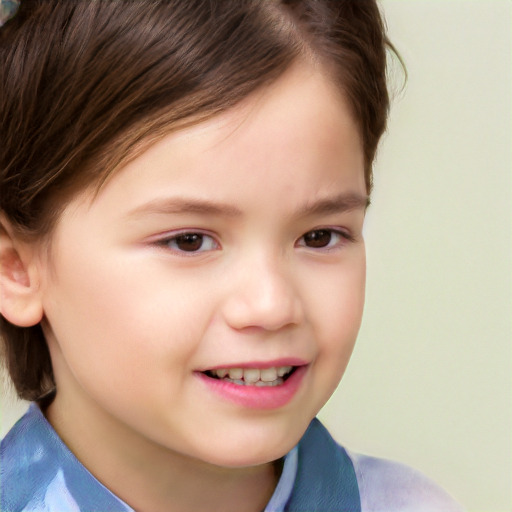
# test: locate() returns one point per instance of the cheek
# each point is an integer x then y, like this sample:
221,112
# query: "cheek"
340,300
338,314
127,306
122,321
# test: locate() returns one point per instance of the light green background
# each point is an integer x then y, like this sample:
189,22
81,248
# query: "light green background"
430,380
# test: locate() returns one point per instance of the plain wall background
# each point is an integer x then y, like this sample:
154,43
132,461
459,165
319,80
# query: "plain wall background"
430,379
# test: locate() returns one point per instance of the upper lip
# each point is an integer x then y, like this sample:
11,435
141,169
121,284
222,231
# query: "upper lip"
284,361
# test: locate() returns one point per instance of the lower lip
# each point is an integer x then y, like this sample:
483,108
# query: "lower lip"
256,397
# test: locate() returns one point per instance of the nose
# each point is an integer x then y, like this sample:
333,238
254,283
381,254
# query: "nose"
263,295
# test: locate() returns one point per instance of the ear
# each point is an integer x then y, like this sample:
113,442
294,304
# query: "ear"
20,301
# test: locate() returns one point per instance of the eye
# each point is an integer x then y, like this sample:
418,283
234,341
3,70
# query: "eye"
324,239
190,242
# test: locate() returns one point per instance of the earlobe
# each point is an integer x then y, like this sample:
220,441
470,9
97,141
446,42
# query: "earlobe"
20,301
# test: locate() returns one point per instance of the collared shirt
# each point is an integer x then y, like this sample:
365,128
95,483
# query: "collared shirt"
38,473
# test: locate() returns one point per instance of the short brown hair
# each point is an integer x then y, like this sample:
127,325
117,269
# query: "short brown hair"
88,85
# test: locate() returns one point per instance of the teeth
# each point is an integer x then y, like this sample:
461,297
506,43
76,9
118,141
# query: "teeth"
253,376
283,370
261,384
268,374
236,373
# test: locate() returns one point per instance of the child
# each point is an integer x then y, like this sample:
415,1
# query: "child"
184,185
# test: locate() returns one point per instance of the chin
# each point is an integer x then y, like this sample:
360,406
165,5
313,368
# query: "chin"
259,446
247,460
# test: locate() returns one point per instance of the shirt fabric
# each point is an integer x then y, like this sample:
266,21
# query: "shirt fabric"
40,474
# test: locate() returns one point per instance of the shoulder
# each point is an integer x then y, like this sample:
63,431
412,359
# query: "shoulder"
28,479
39,474
387,485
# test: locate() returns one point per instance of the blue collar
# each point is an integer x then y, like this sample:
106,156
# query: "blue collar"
326,480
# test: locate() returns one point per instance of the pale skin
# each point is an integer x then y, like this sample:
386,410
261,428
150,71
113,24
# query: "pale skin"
131,317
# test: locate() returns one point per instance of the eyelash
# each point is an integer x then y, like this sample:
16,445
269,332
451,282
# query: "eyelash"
174,239
198,236
344,237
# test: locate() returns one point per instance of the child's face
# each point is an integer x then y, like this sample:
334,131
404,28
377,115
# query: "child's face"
135,314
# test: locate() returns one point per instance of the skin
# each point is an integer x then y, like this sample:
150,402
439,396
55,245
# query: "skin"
130,317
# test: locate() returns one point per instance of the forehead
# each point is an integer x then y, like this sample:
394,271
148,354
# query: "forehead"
296,135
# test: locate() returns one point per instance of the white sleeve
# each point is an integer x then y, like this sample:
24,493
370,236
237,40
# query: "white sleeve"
387,486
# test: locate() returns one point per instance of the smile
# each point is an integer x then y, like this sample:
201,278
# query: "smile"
261,377
258,387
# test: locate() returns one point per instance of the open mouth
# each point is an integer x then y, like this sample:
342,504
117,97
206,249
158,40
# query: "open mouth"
264,377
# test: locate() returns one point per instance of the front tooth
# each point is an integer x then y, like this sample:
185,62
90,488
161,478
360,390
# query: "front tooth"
236,373
283,370
268,374
221,372
251,375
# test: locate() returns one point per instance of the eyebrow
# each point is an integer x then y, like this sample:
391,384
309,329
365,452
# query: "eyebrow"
337,204
176,205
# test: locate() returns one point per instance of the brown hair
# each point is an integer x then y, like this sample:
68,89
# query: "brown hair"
88,85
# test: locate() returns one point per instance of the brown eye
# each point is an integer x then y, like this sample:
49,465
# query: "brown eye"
318,238
325,238
190,242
